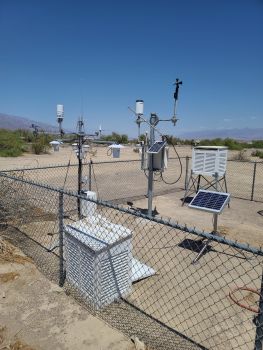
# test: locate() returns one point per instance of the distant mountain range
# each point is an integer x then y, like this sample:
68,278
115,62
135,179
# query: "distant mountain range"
245,134
12,122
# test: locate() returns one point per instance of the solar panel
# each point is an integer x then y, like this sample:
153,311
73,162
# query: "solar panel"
156,147
213,202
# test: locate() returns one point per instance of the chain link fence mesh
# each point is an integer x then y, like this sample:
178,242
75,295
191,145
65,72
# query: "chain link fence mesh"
119,181
29,219
258,186
138,273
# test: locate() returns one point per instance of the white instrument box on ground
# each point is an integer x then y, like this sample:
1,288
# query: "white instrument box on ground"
99,259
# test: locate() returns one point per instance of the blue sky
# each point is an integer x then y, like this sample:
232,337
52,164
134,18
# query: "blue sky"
110,53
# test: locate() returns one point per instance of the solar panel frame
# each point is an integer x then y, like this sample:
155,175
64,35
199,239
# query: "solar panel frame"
156,147
210,201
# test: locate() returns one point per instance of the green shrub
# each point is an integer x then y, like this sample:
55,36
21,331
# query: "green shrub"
241,155
41,144
25,135
116,138
11,144
257,144
230,143
257,153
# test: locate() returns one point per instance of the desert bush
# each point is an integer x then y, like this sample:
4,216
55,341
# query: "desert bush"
257,153
41,144
115,137
230,143
241,155
11,144
26,135
257,144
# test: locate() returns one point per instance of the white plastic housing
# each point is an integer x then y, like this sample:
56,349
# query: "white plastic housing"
75,146
116,150
88,209
85,149
55,145
139,107
209,160
160,160
60,111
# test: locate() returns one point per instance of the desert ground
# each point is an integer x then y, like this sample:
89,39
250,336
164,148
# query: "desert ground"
242,222
36,314
98,153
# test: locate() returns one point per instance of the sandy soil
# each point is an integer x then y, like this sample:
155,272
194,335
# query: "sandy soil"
62,157
241,221
36,314
98,153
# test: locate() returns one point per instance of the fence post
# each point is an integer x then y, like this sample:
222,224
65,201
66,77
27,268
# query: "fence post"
253,182
90,166
61,240
259,321
186,172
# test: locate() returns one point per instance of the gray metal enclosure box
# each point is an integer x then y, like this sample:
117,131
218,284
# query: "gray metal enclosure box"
99,260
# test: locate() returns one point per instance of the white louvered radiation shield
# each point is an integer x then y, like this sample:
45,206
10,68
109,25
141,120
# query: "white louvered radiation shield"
209,160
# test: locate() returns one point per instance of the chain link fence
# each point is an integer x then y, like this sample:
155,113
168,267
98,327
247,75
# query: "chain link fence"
119,181
135,272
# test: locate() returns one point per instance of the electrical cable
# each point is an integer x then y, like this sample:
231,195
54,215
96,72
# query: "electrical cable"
243,306
155,174
181,170
65,180
160,173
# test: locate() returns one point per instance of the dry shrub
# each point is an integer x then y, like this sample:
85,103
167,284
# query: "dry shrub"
240,155
223,231
8,254
8,276
2,334
18,345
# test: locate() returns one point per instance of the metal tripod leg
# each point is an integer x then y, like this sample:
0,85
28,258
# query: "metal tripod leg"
198,183
226,189
214,232
189,190
201,252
